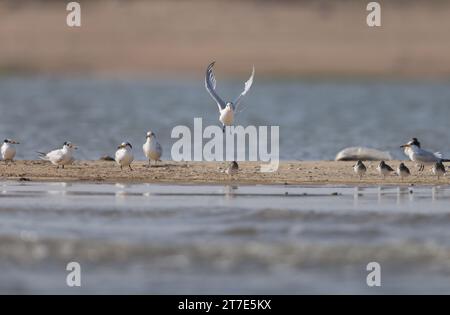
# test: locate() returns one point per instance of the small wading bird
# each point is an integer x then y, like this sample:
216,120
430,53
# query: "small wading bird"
422,157
227,109
384,169
60,157
8,150
232,168
152,148
439,169
403,171
360,169
124,156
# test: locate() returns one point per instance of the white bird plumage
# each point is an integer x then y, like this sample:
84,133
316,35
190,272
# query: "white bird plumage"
8,150
60,157
227,110
422,157
152,149
124,155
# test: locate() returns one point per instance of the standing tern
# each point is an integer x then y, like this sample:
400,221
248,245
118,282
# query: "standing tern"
8,150
124,155
422,157
227,110
152,148
360,169
60,157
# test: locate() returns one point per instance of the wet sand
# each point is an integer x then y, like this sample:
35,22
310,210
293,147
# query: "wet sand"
291,173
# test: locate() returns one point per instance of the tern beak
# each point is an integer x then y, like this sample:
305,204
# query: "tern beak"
15,142
405,146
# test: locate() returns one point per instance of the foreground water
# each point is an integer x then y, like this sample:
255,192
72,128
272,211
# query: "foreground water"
316,119
221,239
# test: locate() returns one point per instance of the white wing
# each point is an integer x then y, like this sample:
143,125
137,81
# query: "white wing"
210,84
55,156
426,156
247,87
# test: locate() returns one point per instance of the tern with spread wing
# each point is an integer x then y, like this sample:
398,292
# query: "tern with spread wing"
227,110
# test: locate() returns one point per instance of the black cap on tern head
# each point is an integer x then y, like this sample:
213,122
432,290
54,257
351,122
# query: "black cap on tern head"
415,142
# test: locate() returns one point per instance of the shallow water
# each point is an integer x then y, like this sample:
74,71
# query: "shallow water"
317,119
150,238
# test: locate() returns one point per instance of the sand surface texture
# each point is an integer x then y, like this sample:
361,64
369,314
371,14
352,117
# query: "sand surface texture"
298,172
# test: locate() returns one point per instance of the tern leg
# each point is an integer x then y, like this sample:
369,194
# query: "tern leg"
121,168
62,166
149,162
130,167
223,128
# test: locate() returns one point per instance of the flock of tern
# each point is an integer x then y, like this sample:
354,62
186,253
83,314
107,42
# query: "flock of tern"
227,111
415,153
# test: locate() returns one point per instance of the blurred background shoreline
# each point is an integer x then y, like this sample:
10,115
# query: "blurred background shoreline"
284,39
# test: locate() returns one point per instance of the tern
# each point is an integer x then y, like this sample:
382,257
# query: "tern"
8,150
422,157
439,169
403,171
232,168
60,157
360,169
384,169
124,155
152,148
227,110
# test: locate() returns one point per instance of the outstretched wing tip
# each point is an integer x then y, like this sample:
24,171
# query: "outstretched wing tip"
210,83
211,64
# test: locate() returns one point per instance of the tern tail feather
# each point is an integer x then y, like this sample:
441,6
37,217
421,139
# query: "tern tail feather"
42,155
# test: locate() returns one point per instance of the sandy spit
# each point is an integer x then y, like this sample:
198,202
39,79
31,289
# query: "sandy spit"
289,173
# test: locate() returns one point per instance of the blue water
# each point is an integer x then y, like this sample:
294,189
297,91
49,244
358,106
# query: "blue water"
199,239
316,119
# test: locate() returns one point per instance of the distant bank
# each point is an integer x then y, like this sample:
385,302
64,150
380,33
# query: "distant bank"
282,38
